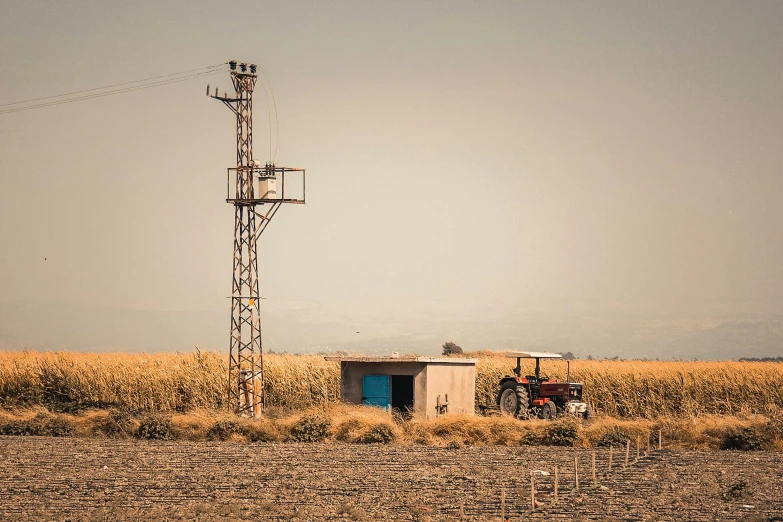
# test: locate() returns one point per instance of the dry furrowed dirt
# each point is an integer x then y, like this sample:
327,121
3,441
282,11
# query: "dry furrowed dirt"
60,479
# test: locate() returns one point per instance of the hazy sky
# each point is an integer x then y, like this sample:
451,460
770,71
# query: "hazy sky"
467,163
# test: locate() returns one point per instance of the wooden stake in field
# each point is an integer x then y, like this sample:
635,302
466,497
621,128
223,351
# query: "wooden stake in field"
576,472
648,442
503,504
627,452
594,481
532,491
610,458
637,449
660,439
462,510
556,481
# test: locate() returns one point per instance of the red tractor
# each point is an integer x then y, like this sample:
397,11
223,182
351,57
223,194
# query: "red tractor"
536,395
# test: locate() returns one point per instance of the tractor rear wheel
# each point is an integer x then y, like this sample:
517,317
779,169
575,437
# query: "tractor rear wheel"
549,411
588,415
508,401
512,400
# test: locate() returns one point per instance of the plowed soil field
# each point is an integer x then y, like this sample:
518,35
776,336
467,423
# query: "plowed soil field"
78,479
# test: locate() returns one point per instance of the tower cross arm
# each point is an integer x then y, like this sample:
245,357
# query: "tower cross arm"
228,102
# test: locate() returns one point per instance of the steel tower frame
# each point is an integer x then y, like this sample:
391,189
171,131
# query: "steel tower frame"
252,214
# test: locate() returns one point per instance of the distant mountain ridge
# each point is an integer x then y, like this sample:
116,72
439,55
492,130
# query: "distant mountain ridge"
313,329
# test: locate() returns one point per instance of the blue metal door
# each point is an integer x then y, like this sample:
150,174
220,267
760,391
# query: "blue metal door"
376,391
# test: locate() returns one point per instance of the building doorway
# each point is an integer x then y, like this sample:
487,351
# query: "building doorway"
402,393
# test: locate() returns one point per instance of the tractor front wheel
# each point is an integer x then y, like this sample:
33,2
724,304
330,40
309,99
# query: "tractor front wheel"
549,411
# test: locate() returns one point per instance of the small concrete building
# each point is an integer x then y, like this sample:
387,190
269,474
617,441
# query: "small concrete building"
429,385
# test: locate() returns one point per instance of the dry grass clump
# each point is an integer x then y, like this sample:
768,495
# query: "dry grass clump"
468,430
37,423
616,432
116,423
313,427
366,427
201,425
565,431
243,430
155,426
341,423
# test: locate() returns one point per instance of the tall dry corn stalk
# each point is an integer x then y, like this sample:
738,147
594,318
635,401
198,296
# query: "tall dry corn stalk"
183,382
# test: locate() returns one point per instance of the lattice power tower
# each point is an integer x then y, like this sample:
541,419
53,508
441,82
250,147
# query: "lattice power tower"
253,190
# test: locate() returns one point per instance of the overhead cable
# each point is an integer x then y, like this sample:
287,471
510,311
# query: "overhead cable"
115,85
265,79
99,92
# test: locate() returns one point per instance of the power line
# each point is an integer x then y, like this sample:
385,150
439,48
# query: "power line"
269,119
115,85
102,94
109,93
266,79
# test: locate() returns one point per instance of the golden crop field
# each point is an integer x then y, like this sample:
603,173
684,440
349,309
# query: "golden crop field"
186,381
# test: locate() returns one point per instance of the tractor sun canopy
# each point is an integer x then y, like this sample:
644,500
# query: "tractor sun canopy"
533,355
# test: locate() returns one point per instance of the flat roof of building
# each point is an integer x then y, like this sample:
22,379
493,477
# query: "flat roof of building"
533,355
400,359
